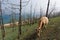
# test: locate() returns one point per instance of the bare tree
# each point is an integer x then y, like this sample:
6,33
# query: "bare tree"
19,24
41,12
47,8
13,20
30,20
1,23
52,9
34,16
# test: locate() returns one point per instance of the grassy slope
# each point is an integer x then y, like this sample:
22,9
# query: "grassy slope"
26,30
52,31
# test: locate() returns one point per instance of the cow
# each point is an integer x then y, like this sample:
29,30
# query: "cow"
41,24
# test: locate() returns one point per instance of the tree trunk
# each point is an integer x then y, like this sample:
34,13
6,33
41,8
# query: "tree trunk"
1,23
47,8
19,24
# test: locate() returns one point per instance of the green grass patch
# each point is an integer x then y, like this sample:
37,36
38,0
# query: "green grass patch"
26,30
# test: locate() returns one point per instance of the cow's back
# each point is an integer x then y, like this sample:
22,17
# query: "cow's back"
44,20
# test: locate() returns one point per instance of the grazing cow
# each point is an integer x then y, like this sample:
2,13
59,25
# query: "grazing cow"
42,22
7,25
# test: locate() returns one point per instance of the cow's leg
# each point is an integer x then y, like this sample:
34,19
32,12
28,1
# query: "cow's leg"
44,26
39,34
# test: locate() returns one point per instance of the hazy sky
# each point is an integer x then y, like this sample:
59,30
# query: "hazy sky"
37,4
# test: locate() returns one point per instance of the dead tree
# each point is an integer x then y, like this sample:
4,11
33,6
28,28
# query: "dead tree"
1,23
47,8
13,19
52,9
30,20
19,24
34,16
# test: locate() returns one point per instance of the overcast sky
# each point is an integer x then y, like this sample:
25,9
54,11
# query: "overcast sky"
37,4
